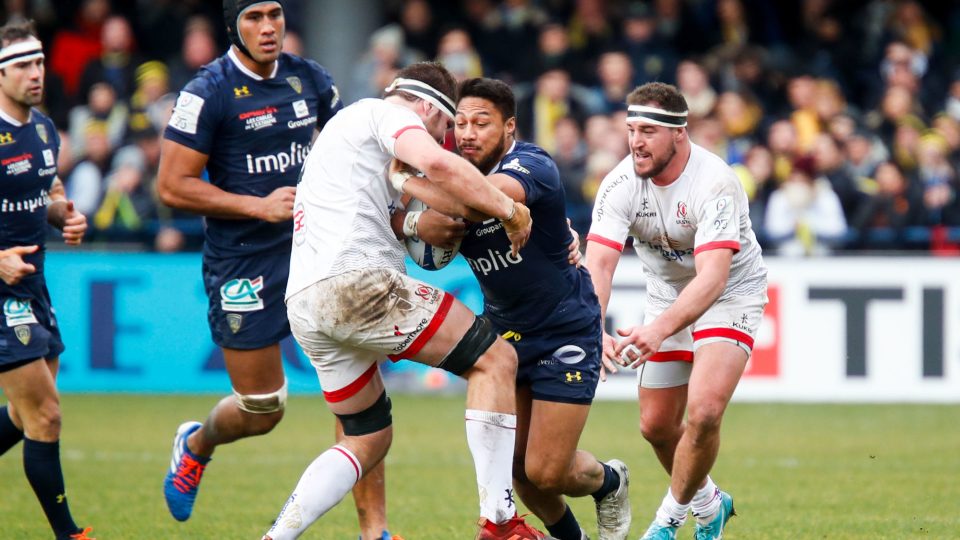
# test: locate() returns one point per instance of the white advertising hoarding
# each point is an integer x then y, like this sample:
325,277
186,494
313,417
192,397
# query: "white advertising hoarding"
837,330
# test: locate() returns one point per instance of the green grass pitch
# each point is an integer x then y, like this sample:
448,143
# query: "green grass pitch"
796,471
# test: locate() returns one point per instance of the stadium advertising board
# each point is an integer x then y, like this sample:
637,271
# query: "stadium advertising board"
837,329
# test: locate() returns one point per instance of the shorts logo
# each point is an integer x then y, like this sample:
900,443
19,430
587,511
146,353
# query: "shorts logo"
573,377
234,321
242,294
410,336
510,335
23,333
569,355
18,311
428,294
742,325
297,86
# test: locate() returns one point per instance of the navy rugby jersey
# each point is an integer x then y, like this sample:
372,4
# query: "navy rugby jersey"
257,134
538,289
28,157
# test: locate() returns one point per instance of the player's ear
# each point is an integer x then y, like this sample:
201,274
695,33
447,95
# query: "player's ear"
510,126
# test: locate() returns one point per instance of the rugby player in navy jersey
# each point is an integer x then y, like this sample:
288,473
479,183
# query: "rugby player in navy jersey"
546,308
31,195
248,118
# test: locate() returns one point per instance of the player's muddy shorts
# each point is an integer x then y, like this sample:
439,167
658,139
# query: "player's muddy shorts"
28,326
246,309
735,320
347,323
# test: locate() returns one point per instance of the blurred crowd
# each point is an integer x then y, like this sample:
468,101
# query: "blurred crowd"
841,117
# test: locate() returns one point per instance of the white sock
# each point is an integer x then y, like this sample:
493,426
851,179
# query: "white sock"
325,482
671,513
706,502
491,437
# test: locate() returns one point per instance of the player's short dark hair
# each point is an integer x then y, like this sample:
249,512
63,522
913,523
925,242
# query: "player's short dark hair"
665,96
492,90
432,73
17,30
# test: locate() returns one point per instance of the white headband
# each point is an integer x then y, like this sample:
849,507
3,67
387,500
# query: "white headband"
425,92
656,116
21,51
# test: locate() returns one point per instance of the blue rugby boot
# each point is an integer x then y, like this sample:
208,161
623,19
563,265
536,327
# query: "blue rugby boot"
714,529
183,479
385,536
656,531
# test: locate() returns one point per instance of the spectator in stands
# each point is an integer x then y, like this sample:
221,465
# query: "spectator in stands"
456,52
782,142
756,176
653,59
938,178
419,28
694,83
740,116
863,152
553,51
147,105
102,108
199,48
895,206
380,63
129,199
117,63
906,137
949,128
74,47
615,73
804,216
952,105
590,28
538,113
831,164
802,97
571,159
85,185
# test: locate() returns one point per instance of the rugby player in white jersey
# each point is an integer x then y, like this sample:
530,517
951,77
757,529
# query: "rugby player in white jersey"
706,290
350,302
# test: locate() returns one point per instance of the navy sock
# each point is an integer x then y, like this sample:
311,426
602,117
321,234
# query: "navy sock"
611,481
567,528
41,463
9,434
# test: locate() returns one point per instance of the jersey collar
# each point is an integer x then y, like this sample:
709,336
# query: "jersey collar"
513,145
11,120
243,69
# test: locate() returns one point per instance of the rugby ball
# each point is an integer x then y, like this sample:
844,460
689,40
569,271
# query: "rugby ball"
425,255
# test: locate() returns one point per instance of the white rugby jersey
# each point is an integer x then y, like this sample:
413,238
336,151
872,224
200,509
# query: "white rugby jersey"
341,216
705,208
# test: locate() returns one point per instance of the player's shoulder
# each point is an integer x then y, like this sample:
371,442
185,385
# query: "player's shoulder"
709,167
212,78
619,175
306,66
529,158
38,117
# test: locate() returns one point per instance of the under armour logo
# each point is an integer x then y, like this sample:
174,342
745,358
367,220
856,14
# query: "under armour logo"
61,497
574,377
509,498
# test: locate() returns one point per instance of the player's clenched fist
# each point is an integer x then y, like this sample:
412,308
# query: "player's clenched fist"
518,225
278,205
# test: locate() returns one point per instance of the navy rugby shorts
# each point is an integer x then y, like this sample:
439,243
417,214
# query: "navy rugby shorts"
561,367
246,309
28,326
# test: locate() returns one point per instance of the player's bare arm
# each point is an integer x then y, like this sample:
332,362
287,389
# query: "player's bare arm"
12,266
180,186
464,182
601,262
62,215
713,269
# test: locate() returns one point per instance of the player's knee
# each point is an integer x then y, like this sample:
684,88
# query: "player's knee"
659,432
47,420
375,418
704,417
476,349
547,479
263,404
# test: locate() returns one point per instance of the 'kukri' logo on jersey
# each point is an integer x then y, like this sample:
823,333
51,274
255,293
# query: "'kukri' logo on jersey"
281,161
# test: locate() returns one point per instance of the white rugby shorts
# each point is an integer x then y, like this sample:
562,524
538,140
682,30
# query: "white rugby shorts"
347,323
735,320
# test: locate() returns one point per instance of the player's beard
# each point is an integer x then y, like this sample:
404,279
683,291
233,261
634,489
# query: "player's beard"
486,163
659,164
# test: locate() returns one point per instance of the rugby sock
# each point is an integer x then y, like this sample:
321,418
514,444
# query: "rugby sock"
324,484
491,436
567,528
706,502
671,513
41,463
9,434
611,482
